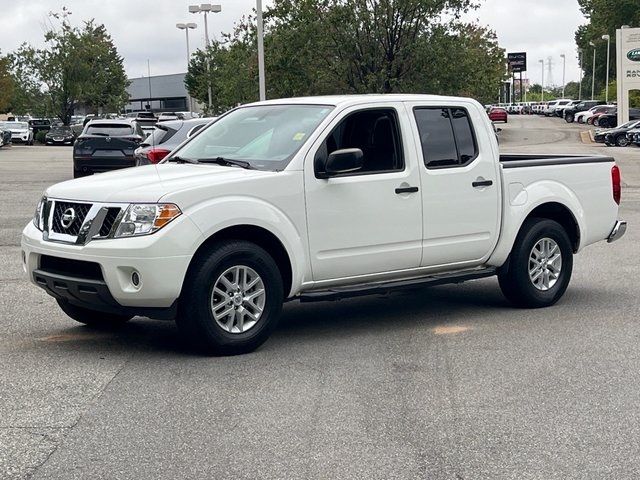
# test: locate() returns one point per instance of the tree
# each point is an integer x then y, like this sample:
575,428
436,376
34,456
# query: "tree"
6,84
605,16
354,46
78,65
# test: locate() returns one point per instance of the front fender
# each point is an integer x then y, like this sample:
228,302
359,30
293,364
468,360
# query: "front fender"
229,211
518,205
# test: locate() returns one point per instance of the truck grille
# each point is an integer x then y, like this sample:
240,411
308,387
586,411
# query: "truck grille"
77,210
109,220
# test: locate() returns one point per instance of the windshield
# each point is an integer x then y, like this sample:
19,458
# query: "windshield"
16,125
60,130
265,136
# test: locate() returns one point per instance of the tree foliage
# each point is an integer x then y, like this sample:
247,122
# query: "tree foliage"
6,84
605,17
353,46
77,65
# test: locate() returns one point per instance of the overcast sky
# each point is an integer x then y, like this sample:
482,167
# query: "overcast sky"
145,29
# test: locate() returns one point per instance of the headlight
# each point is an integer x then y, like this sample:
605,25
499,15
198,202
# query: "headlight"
38,221
146,218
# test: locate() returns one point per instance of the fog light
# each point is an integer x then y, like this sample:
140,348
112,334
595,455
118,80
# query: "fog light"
135,279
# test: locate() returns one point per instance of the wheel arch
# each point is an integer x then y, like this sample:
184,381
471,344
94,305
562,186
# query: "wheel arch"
559,213
257,235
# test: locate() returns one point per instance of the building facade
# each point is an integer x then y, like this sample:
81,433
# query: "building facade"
160,93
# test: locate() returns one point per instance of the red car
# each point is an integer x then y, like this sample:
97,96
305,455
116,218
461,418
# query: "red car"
498,115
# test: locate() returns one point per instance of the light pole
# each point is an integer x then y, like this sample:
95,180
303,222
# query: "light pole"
542,64
580,63
608,39
260,31
564,70
186,27
593,71
206,8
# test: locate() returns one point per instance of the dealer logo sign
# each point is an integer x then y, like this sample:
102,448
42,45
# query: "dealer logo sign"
634,55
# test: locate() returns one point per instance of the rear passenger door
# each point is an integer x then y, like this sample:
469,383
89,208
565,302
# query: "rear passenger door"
460,184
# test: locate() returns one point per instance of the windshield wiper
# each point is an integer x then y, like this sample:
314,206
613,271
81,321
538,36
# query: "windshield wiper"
227,162
181,160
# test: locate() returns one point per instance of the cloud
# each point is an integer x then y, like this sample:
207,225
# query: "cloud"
145,29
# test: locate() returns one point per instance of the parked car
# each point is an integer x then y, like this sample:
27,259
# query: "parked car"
561,108
617,136
20,131
61,135
559,105
583,117
571,111
317,199
5,136
39,125
634,136
498,115
168,116
166,137
610,119
106,145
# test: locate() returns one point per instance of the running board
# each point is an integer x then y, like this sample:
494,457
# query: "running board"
338,293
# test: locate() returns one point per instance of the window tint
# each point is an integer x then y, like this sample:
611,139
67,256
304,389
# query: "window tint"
436,137
446,136
373,131
110,130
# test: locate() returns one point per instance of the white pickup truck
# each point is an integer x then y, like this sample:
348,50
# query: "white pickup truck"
317,199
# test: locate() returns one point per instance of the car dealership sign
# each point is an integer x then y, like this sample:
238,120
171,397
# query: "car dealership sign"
628,61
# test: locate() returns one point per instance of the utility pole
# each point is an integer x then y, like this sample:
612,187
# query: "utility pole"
580,63
608,39
260,31
593,71
564,70
542,63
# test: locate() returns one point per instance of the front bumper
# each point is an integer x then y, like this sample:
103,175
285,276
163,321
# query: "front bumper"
161,261
618,231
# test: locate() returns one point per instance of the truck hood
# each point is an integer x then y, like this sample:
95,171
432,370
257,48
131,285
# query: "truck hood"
149,183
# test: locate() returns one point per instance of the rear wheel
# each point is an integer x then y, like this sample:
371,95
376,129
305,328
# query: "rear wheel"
622,140
569,117
92,317
540,265
231,301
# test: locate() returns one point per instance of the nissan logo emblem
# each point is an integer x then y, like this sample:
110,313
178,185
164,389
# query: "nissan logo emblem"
68,217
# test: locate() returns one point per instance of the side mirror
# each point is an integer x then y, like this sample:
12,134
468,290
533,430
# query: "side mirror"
342,161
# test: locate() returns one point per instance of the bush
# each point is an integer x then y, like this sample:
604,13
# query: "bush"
40,136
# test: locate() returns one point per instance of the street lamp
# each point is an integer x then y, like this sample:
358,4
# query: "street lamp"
186,27
608,39
542,64
260,31
206,8
580,51
564,69
593,71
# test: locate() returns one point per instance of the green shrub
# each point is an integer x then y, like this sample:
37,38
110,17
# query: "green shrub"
40,136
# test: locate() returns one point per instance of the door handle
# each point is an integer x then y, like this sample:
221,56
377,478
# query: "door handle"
400,190
482,183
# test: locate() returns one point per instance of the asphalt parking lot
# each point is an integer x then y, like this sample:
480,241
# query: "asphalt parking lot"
445,383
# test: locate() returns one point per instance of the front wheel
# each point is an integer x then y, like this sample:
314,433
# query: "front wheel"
569,118
539,268
622,140
92,317
232,299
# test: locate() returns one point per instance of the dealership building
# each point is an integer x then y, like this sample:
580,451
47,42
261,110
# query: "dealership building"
160,93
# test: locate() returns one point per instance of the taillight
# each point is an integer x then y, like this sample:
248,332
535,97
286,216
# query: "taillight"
615,182
156,154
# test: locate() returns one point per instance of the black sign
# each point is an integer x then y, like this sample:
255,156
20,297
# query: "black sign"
517,62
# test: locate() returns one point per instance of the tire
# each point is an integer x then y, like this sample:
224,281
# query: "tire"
236,332
93,318
622,140
569,118
80,173
515,281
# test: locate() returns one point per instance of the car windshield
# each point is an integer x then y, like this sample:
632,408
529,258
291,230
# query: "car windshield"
265,136
110,129
16,125
60,131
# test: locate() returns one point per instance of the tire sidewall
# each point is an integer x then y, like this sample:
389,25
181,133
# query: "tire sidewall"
198,298
536,230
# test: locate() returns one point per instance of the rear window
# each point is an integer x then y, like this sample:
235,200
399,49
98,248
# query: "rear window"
110,130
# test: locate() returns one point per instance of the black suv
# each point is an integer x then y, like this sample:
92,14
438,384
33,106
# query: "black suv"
570,113
106,145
